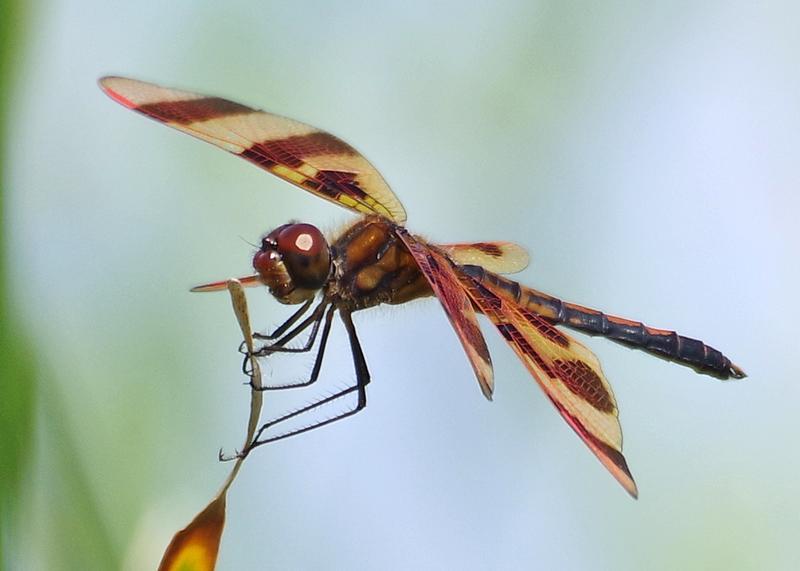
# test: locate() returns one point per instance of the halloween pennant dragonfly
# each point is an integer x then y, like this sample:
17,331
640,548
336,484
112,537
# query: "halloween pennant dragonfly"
376,260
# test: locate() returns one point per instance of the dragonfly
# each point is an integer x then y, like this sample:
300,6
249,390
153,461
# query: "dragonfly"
375,260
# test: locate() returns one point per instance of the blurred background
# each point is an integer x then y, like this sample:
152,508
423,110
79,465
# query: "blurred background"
646,153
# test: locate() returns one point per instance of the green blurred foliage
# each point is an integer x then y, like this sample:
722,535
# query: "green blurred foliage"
51,460
17,384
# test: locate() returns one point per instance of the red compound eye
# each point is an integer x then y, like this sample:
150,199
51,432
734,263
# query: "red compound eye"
300,239
301,253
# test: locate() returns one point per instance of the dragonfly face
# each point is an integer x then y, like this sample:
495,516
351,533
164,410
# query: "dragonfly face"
294,262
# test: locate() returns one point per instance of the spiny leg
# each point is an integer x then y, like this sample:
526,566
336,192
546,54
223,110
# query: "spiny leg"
362,380
285,325
278,346
317,361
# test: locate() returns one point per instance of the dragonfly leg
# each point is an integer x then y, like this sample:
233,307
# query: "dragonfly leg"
317,361
278,346
281,329
360,386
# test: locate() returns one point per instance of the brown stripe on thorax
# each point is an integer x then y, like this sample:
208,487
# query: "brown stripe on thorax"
365,242
376,267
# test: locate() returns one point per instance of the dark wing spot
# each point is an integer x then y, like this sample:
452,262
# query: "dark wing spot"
489,249
312,184
279,151
340,182
292,151
256,155
581,379
193,110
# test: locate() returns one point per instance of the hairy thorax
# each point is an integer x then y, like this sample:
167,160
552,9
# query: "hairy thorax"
373,266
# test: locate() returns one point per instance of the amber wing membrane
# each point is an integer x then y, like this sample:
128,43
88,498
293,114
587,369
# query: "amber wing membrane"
439,272
298,153
498,257
568,372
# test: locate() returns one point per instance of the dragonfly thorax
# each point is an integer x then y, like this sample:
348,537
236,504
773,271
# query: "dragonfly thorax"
294,261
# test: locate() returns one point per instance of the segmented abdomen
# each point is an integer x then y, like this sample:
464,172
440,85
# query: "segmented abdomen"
659,342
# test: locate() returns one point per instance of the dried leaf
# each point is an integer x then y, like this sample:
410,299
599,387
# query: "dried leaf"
195,547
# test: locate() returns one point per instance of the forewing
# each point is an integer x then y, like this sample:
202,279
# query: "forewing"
497,257
445,284
298,153
568,372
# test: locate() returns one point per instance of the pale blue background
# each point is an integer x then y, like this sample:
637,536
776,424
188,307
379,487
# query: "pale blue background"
645,153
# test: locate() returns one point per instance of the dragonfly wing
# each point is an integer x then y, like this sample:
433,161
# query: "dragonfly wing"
568,373
439,272
303,155
246,281
497,257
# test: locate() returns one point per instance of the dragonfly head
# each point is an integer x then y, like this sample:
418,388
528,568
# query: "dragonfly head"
294,261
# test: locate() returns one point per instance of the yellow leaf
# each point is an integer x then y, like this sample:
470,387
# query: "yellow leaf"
195,547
